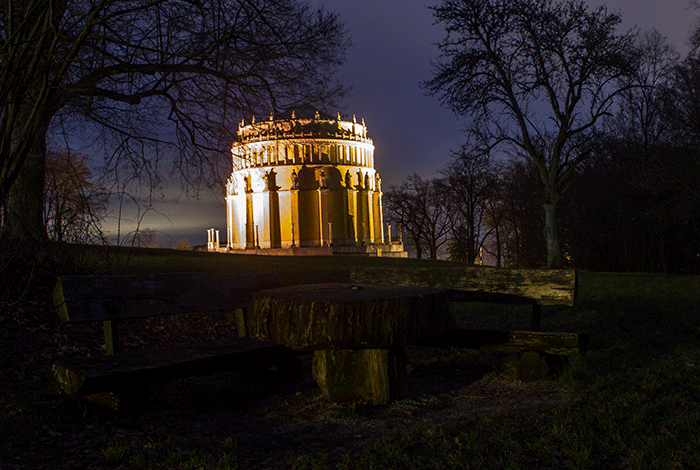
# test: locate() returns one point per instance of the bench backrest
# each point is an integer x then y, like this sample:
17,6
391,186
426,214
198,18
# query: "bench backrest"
104,298
482,283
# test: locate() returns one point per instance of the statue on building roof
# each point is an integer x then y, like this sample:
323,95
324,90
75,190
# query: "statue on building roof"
248,185
271,180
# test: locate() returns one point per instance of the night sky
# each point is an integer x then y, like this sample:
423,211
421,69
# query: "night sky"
393,44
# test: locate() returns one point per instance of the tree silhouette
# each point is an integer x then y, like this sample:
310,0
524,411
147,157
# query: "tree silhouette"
155,79
469,182
74,204
420,207
535,76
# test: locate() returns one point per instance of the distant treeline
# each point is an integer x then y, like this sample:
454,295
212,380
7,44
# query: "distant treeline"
626,209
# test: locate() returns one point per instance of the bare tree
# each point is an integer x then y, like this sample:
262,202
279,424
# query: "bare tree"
74,204
520,218
536,76
402,208
468,181
155,78
144,238
634,204
420,207
183,245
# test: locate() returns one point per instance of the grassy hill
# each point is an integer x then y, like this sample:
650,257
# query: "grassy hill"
632,402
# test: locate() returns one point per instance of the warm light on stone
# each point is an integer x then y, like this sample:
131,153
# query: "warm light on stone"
306,180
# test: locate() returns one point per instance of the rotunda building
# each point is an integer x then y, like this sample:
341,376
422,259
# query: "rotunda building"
305,179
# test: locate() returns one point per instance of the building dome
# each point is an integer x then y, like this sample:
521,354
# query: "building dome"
303,179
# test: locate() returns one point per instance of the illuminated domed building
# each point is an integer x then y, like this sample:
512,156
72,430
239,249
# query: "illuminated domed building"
306,180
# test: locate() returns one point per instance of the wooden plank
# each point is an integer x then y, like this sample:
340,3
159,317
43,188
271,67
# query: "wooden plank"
84,376
565,344
99,298
486,284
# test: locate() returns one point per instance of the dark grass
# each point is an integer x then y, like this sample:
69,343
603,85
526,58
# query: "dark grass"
633,400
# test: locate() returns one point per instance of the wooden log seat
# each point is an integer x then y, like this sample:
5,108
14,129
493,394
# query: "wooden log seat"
357,332
120,376
536,287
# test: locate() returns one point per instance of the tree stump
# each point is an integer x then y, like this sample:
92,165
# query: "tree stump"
369,376
532,367
357,332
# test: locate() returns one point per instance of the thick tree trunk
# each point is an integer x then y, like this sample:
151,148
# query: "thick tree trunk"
419,248
551,235
24,209
498,248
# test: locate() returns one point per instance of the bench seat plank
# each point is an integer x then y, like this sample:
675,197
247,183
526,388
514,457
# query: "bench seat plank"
487,284
89,375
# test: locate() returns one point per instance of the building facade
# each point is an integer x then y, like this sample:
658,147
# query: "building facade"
305,180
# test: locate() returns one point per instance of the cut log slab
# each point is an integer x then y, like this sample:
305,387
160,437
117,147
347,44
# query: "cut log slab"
357,332
347,316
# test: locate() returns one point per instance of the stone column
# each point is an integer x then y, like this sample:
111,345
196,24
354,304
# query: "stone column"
250,222
322,215
352,218
294,208
371,233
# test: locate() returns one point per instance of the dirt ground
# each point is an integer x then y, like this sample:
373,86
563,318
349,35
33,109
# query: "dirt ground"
268,420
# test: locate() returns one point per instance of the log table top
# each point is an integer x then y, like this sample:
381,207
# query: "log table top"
348,316
357,332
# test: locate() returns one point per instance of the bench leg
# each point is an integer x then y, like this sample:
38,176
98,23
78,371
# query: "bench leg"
239,316
364,376
536,315
112,344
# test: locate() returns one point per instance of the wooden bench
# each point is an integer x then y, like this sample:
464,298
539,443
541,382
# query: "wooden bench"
121,378
535,287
